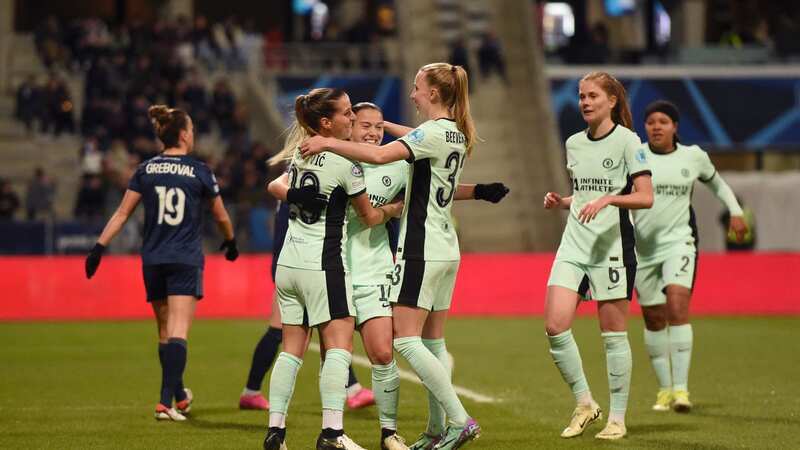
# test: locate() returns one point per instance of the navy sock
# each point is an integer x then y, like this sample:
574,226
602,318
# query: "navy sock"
161,349
180,395
351,380
174,365
263,357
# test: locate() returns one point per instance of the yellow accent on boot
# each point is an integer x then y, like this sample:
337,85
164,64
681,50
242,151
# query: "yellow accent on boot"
680,402
582,417
612,431
663,400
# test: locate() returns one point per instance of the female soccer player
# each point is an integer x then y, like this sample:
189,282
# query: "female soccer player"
371,261
428,255
314,287
173,186
597,248
666,243
267,348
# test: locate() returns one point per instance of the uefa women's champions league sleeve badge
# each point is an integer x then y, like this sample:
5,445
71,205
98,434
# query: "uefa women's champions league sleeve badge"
416,136
640,156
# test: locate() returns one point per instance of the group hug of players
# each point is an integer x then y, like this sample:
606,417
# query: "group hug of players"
337,271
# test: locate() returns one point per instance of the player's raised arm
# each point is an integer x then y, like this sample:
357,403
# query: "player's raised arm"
395,129
393,151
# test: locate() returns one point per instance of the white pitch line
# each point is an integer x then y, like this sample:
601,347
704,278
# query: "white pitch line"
412,377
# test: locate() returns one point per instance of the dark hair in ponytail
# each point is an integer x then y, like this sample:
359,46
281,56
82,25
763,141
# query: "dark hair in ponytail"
309,110
168,124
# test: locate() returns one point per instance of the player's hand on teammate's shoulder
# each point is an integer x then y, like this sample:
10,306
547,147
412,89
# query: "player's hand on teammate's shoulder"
93,259
314,145
231,251
552,200
492,192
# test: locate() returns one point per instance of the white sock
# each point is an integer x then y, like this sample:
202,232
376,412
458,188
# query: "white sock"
354,389
250,392
616,416
332,419
277,419
585,398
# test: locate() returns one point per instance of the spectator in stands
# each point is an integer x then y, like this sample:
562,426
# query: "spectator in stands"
27,108
9,200
205,49
459,56
57,107
223,107
91,157
39,196
597,50
196,99
48,38
91,202
252,206
490,57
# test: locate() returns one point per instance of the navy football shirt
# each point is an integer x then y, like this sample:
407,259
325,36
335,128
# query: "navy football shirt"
174,190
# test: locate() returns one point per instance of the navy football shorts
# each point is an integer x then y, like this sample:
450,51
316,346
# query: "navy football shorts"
163,280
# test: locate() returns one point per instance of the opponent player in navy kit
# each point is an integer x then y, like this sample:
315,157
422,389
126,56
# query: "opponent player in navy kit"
173,187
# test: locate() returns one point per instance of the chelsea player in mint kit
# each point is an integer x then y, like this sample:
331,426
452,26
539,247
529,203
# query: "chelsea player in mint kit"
173,187
605,162
666,244
313,284
428,255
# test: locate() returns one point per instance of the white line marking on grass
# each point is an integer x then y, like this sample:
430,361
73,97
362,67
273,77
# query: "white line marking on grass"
412,377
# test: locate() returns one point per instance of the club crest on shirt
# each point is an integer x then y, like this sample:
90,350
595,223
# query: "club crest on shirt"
416,136
387,181
685,173
356,170
607,163
640,156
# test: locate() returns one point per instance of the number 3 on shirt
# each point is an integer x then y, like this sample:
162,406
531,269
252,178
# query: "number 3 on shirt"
452,163
171,204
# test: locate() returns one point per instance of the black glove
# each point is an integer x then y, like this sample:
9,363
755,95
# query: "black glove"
493,192
93,259
308,198
231,252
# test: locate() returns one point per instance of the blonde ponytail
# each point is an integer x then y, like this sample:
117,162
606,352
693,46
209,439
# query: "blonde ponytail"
453,85
461,112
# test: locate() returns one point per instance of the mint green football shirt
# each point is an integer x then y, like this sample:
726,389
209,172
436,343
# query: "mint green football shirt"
369,255
668,228
437,151
599,167
318,241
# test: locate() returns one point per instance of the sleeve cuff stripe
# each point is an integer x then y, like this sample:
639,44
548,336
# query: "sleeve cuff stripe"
709,178
410,158
642,172
358,193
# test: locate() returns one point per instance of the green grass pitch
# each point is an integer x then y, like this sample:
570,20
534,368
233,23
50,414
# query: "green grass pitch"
95,384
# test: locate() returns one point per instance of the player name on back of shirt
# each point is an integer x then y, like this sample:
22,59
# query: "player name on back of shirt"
173,168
